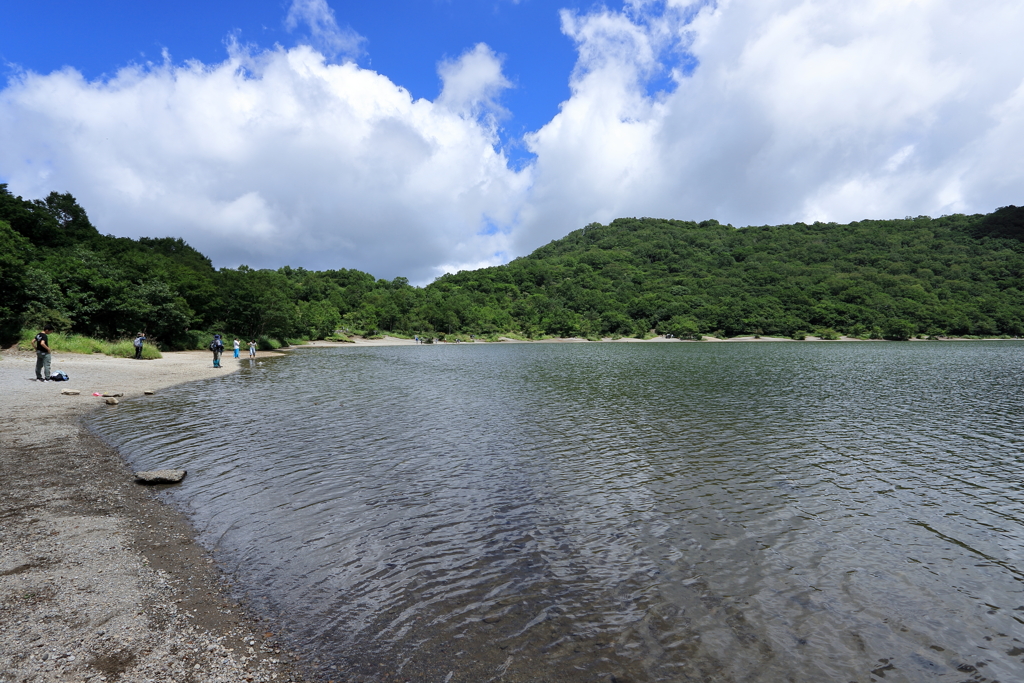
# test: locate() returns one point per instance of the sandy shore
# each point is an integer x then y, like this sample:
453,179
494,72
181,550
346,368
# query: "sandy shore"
99,580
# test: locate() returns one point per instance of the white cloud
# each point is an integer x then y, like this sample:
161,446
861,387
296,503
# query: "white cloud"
794,110
797,110
324,33
266,159
473,83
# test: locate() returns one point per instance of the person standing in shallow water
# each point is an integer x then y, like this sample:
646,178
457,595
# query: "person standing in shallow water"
252,349
140,339
42,344
217,346
237,344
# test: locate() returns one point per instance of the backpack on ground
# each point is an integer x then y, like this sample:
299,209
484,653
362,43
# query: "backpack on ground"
59,376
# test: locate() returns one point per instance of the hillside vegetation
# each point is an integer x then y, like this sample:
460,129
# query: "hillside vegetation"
955,275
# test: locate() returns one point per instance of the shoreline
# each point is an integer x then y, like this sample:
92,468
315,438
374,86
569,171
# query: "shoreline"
100,580
659,339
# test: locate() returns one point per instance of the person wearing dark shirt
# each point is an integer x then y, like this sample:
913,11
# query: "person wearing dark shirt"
217,346
140,339
42,344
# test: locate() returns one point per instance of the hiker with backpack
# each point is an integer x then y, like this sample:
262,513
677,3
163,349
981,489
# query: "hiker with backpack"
140,338
217,346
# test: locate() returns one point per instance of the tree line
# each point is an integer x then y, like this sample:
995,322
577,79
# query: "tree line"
954,275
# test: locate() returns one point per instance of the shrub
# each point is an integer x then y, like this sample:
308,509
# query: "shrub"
828,333
898,330
680,327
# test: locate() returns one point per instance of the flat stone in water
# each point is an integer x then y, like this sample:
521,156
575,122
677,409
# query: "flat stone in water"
160,476
112,401
70,392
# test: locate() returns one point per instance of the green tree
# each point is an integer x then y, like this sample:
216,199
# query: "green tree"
15,250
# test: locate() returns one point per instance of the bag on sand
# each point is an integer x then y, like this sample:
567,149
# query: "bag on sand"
59,376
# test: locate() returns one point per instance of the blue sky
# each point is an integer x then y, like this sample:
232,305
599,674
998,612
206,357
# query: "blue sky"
415,138
404,40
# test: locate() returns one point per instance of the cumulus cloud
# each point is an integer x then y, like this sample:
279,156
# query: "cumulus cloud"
796,110
774,111
267,159
473,83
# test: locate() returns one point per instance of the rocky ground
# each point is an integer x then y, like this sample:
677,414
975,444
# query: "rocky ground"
99,581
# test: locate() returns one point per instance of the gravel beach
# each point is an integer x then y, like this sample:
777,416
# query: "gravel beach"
99,580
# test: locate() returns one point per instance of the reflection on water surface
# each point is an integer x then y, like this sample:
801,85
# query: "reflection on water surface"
648,512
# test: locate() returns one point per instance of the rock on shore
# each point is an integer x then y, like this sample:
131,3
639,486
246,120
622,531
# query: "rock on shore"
160,476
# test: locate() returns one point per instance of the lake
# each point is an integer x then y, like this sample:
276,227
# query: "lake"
768,512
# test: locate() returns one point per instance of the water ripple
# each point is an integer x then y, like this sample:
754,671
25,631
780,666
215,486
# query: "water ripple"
671,512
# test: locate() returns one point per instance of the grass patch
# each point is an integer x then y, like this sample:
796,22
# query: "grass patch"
339,337
267,344
59,342
125,349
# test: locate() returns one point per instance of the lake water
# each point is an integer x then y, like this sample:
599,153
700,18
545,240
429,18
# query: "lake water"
630,512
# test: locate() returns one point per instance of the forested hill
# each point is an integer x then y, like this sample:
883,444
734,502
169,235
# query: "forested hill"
952,275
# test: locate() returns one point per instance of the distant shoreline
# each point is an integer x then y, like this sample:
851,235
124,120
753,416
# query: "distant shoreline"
399,341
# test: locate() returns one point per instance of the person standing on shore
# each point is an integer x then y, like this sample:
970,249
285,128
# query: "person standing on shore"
217,346
140,339
252,349
42,346
237,344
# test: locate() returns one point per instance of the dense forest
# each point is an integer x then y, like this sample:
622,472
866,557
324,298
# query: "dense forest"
955,275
